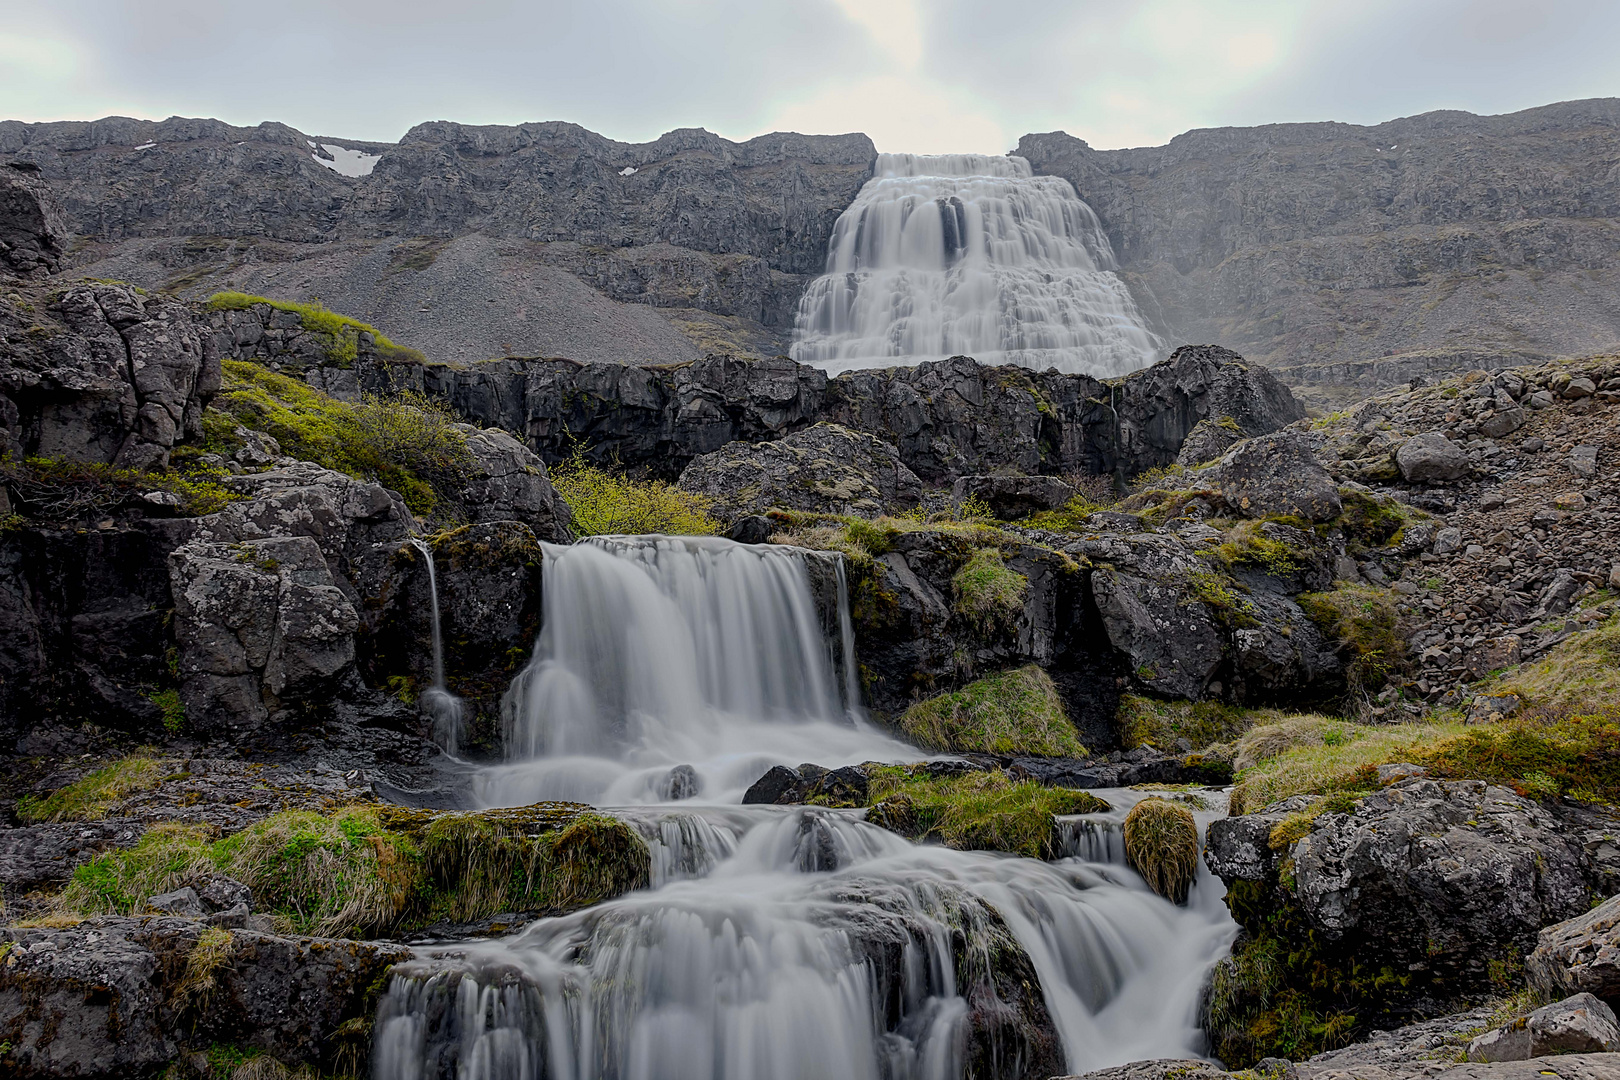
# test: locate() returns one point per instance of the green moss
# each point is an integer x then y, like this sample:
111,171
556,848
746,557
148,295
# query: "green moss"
173,709
1369,520
342,332
1145,721
1224,597
1364,621
1542,755
1070,517
974,811
1161,844
406,442
66,490
988,595
1246,545
604,503
91,796
1013,712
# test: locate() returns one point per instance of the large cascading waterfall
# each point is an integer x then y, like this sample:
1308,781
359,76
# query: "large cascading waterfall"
663,652
970,254
777,943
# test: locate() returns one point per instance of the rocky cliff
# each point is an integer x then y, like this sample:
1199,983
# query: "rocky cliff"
1446,237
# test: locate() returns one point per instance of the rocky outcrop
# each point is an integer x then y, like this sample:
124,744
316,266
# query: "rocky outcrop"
1435,878
509,483
33,235
120,997
104,373
1580,955
825,469
1577,1025
1011,498
1421,234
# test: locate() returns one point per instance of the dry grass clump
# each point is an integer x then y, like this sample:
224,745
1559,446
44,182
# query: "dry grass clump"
90,797
1581,672
1013,712
1145,721
212,952
1268,740
1161,843
1315,756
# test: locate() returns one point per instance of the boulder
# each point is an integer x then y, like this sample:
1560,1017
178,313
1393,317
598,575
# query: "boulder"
1013,497
509,483
1577,1025
825,468
1276,475
34,235
1431,457
1580,955
1172,647
1209,439
109,997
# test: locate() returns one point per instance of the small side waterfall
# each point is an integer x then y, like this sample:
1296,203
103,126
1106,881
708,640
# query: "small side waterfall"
443,707
970,254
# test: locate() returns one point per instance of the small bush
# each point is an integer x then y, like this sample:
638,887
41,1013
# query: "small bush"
91,796
343,333
1014,712
989,595
975,811
1161,843
69,490
605,504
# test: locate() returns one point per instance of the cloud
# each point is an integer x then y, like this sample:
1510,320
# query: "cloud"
922,75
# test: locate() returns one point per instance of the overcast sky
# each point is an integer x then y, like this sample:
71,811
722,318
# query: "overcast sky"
919,75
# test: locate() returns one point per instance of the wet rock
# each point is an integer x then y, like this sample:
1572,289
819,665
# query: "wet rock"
1277,475
778,785
1431,457
105,999
1580,955
681,782
825,468
751,529
1013,497
782,786
1577,1025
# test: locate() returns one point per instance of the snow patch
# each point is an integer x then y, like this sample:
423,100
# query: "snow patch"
146,146
628,170
346,162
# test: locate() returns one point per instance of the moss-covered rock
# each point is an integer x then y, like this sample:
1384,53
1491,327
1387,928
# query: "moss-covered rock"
974,811
1161,843
1013,712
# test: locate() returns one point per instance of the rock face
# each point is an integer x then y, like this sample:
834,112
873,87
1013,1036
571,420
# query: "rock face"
33,235
108,998
1278,475
1013,497
1581,955
1435,877
1577,1025
1428,226
825,468
509,483
106,374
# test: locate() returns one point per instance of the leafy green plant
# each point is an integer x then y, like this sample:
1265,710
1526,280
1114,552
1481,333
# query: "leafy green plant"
605,503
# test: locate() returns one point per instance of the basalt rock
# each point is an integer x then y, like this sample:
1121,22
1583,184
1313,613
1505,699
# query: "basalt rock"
509,483
1580,955
1278,475
1013,497
33,234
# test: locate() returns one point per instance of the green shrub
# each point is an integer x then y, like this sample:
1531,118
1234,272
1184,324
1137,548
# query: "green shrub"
1364,621
406,442
974,811
343,333
604,503
989,595
1145,721
1070,517
1013,712
90,797
1542,755
69,490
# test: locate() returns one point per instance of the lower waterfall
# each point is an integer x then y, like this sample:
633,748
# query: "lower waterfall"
778,943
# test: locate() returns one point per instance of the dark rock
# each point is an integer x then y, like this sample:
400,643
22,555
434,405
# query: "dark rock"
33,234
776,786
1580,955
509,483
182,901
33,856
1277,475
1173,648
1431,457
825,468
681,782
1013,497
221,893
1208,441
104,999
751,529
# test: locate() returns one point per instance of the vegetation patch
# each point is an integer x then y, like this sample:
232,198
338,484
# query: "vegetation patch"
69,490
90,797
1368,520
1013,712
1314,755
1367,626
1246,545
974,811
342,332
1161,844
988,594
1145,721
370,870
606,503
1070,517
407,442
1582,672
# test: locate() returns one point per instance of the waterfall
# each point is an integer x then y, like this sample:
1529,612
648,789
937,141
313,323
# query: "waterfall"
970,254
443,707
803,944
700,653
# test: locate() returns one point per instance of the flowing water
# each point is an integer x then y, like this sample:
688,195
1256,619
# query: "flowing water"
777,943
443,707
970,254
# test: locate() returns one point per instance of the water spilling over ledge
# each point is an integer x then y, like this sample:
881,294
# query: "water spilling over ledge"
970,254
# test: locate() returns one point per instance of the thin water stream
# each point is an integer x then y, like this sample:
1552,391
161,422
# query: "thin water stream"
776,943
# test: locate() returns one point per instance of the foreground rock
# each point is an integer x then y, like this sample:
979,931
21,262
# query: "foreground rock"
1578,1025
120,997
1581,955
1566,1067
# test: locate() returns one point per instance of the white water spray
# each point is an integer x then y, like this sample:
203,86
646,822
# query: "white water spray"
970,254
658,652
443,707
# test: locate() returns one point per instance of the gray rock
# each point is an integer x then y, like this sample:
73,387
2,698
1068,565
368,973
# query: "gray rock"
33,234
509,483
1174,648
1278,474
1431,457
33,856
1577,1025
221,893
104,999
1580,955
1578,387
182,901
751,529
1208,440
1013,497
1447,540
1583,461
825,468
1504,422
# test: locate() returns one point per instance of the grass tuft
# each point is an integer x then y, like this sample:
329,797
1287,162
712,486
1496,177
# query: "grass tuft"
605,503
342,332
90,797
1161,843
1364,621
989,595
1013,712
1145,721
975,811
212,952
